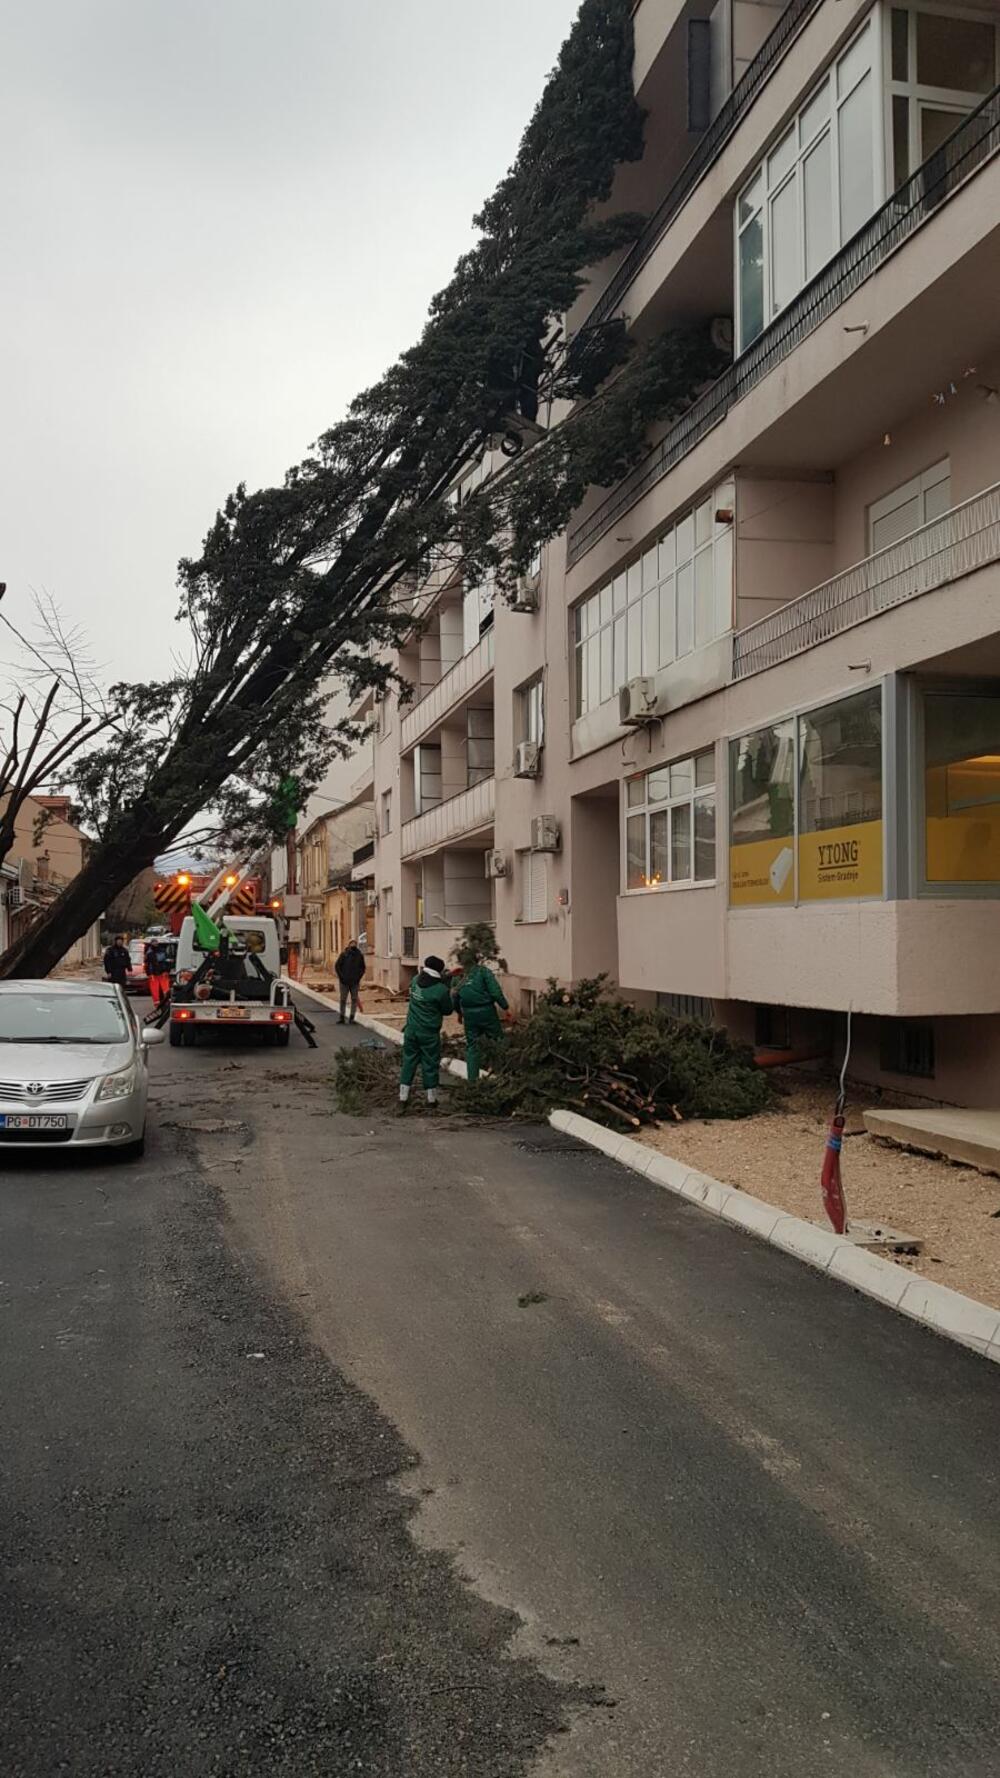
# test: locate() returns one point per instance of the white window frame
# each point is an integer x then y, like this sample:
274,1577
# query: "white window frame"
917,488
614,628
698,793
534,888
938,98
386,813
802,147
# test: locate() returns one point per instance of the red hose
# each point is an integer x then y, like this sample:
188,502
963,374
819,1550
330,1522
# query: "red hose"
834,1201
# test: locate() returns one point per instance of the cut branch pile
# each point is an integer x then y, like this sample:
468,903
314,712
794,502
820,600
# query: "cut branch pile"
621,1065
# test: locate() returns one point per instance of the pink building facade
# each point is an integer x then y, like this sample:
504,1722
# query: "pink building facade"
740,747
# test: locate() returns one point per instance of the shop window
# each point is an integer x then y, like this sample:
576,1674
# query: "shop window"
806,806
927,496
677,597
840,799
907,1048
670,824
940,68
812,191
961,788
534,875
762,816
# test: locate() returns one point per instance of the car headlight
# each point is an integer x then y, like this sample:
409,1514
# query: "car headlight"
120,1085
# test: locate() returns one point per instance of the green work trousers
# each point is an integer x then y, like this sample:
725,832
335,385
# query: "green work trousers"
423,1052
477,1026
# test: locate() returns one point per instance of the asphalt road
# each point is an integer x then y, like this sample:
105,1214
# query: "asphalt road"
747,1521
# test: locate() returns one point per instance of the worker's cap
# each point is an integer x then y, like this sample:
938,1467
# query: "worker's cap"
435,963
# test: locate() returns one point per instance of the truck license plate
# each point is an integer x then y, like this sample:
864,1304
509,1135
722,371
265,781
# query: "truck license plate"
233,1012
36,1121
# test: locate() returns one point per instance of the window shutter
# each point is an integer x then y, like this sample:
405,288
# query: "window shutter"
536,888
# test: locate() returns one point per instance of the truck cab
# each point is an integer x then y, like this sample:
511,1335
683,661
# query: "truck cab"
239,986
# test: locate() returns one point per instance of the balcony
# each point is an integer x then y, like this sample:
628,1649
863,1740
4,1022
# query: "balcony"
954,545
969,148
461,815
452,688
723,126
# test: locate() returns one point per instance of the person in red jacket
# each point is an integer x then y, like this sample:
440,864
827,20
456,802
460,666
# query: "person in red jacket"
157,961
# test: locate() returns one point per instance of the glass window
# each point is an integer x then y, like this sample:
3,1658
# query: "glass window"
900,140
680,843
651,632
635,846
840,799
962,788
818,206
786,277
762,816
857,163
685,610
704,598
667,638
954,53
619,592
900,43
811,193
40,1016
534,888
827,843
751,281
936,125
672,839
608,687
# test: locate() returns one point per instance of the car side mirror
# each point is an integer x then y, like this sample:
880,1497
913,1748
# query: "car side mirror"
151,1034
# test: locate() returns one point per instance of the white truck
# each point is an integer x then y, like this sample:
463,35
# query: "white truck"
239,986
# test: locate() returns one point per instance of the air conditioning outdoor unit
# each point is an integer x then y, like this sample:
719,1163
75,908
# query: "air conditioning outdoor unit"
496,864
545,834
371,898
526,596
528,759
637,702
15,896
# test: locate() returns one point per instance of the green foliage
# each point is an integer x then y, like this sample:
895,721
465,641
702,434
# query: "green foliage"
478,944
580,1039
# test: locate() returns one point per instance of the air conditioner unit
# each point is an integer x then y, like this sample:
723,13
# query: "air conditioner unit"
15,896
545,834
526,595
496,864
637,702
371,898
528,759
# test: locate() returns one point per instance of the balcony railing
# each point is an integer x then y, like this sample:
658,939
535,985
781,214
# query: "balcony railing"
457,683
966,150
956,544
723,125
461,814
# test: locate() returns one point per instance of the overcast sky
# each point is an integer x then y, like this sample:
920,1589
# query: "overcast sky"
219,220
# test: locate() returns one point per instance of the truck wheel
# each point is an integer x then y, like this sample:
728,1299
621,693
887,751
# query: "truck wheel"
280,1037
176,1036
190,1036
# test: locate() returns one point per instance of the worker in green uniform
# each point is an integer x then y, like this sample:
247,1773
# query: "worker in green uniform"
430,1001
476,997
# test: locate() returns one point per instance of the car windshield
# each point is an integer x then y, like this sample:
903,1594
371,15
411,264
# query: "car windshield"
61,1018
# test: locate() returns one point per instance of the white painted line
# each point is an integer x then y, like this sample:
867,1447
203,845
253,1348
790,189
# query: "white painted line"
960,1318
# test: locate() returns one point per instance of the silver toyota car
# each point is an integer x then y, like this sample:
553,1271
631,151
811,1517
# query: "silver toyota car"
73,1067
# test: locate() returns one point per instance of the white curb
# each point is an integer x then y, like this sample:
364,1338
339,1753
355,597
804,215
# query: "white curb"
948,1312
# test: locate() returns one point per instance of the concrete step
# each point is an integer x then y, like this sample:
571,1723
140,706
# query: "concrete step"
972,1137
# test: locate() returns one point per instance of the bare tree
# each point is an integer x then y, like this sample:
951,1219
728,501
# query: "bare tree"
52,710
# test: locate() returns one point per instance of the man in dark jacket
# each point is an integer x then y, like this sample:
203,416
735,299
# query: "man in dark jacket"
158,959
350,967
117,962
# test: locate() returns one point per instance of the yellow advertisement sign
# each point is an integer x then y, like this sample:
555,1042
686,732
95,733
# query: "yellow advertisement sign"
762,873
842,861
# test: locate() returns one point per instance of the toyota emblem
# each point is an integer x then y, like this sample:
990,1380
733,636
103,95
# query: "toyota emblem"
35,1087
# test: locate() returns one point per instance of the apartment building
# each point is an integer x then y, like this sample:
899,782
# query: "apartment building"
740,746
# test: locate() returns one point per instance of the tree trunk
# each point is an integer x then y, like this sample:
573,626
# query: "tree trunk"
107,872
